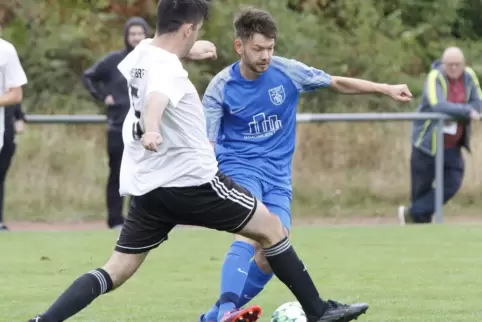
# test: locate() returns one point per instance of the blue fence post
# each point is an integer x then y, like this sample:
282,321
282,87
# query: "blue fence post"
439,172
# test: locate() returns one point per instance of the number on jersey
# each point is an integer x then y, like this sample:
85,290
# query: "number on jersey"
137,76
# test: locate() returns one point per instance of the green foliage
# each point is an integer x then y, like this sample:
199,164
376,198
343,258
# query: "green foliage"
382,40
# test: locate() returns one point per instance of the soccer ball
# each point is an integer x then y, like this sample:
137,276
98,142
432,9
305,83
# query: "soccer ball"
289,312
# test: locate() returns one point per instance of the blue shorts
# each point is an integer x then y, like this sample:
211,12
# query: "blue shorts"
276,199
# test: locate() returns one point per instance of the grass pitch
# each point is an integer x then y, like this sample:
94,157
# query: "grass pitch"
418,274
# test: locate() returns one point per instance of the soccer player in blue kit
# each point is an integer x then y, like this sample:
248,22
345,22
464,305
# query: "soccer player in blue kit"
250,108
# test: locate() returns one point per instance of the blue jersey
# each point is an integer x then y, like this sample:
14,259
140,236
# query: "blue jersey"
253,122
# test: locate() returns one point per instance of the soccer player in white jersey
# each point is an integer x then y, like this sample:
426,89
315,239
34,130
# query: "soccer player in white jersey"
170,169
12,78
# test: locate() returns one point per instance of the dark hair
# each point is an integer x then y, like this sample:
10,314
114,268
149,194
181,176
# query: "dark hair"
252,21
172,14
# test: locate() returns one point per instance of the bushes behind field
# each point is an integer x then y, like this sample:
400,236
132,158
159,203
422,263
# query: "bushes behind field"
386,41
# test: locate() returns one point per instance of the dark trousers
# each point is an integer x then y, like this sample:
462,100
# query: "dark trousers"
6,155
115,148
423,176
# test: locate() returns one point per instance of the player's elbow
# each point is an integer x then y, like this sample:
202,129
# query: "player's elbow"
342,85
336,84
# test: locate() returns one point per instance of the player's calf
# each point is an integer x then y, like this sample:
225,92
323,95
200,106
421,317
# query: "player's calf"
119,268
263,227
259,274
240,275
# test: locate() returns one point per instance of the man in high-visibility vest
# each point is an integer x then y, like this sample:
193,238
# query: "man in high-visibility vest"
451,88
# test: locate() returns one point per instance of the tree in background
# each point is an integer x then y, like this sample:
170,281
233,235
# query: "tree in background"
384,40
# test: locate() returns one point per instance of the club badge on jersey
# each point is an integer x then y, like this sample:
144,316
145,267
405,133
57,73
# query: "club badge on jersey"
277,95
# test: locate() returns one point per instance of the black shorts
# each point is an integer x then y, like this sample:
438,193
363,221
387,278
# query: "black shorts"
220,204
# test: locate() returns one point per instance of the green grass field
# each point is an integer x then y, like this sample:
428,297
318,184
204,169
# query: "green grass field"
423,274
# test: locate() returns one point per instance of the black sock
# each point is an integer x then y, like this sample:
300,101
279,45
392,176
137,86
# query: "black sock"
80,294
292,272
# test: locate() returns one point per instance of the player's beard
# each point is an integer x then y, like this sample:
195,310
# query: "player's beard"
257,67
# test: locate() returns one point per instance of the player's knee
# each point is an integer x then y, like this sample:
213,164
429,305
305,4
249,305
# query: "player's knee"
271,232
261,260
264,227
121,267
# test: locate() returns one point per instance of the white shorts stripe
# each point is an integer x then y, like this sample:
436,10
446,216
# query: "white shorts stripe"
224,193
144,247
241,195
248,217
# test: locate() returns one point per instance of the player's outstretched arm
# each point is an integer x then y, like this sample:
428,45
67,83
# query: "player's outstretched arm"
347,85
308,79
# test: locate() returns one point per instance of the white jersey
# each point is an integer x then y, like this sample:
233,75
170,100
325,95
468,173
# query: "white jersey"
185,157
12,75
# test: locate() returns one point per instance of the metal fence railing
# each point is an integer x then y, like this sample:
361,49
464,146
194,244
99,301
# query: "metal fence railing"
315,118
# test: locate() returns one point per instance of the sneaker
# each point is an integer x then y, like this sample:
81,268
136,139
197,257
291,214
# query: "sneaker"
249,314
38,318
403,216
3,228
338,312
202,319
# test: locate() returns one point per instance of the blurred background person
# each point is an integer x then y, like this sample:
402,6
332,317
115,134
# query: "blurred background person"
453,89
106,84
12,78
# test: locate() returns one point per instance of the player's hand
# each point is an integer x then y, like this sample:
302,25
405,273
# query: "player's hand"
151,141
201,50
474,115
109,100
400,92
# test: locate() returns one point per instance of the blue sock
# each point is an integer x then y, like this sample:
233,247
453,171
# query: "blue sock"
233,275
256,281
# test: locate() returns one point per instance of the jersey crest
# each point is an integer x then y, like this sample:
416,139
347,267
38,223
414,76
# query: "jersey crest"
277,95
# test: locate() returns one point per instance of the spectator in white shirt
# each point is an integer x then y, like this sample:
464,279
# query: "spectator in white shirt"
12,78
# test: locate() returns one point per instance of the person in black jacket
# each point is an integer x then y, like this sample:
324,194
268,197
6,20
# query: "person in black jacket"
106,84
